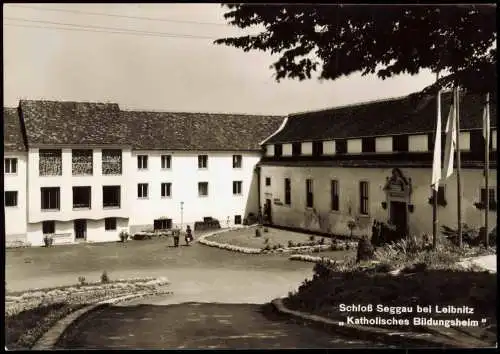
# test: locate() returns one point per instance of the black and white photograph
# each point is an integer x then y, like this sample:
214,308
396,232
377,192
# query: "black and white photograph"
249,176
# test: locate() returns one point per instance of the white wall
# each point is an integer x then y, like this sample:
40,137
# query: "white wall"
184,176
417,143
354,146
67,181
383,144
95,232
464,141
287,149
15,217
307,148
270,150
329,147
323,219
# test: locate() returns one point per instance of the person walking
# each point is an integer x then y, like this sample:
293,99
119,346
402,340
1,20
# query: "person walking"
189,235
176,234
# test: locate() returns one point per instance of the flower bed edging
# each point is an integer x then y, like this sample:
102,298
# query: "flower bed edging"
308,258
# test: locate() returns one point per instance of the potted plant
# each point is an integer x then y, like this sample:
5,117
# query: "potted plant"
48,240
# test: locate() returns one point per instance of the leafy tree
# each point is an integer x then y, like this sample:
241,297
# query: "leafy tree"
459,41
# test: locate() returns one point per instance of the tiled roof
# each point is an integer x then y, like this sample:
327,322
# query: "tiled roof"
198,131
12,132
389,117
68,123
88,123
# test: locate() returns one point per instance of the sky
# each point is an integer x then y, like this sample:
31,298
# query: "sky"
159,72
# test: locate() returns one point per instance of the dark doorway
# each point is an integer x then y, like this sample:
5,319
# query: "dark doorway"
267,212
399,216
80,229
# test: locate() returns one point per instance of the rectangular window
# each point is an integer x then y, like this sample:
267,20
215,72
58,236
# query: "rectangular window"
50,162
166,162
11,199
341,146
82,162
296,149
202,161
10,165
162,224
288,191
202,189
142,162
268,181
278,150
50,198
237,159
491,196
309,193
363,198
237,219
48,227
335,195
111,196
367,144
110,224
166,190
82,197
237,187
111,162
400,143
441,196
317,148
142,190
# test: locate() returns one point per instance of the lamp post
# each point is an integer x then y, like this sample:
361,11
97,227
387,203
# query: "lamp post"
182,214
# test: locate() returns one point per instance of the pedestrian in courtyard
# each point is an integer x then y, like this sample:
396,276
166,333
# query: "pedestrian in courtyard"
176,234
189,235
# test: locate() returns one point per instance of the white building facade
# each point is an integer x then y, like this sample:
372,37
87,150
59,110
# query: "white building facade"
90,192
337,171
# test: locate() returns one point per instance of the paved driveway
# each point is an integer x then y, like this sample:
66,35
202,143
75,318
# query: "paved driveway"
196,326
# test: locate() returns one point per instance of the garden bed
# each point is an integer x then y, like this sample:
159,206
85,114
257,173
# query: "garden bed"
274,240
427,278
28,315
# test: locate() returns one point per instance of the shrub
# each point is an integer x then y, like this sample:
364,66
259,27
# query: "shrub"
124,236
365,250
322,241
291,244
470,236
82,280
275,247
266,248
311,238
104,277
257,232
266,240
280,246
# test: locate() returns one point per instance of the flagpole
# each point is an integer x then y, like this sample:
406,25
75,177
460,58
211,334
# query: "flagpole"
459,184
487,167
435,220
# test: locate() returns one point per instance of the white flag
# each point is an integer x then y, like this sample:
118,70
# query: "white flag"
486,120
436,164
451,142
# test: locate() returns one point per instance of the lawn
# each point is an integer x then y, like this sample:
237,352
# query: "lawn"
275,237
